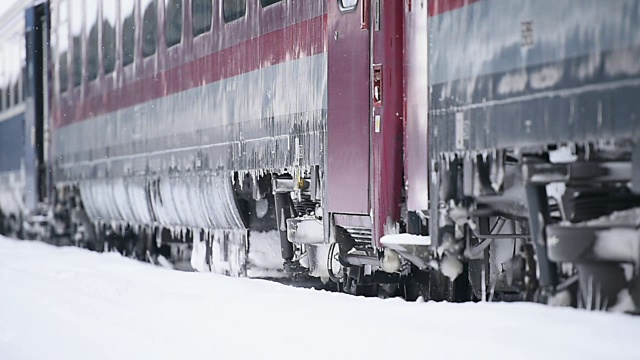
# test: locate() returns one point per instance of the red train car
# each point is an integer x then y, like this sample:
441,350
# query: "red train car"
207,122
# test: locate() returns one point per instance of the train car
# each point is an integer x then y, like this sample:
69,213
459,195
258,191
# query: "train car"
184,129
12,125
532,158
20,150
187,127
172,121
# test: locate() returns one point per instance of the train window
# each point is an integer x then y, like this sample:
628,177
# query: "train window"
234,9
173,23
109,36
266,3
149,27
76,32
348,4
202,15
63,72
16,93
77,61
128,31
22,83
62,45
23,88
91,25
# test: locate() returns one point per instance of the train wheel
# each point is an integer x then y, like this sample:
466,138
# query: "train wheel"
143,243
634,290
2,225
354,284
417,285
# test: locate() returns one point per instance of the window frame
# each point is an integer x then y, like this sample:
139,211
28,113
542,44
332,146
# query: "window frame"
88,44
224,15
7,97
59,30
116,42
143,32
63,85
77,60
213,13
17,89
270,4
77,46
181,39
121,33
347,9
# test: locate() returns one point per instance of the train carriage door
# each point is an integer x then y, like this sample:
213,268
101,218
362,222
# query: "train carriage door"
387,82
348,137
36,97
365,123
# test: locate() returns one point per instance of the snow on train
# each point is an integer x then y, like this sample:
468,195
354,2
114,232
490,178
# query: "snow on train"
449,149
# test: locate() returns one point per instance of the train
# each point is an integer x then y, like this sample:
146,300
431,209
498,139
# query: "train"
457,150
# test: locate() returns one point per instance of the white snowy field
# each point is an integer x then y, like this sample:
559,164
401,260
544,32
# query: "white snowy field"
66,303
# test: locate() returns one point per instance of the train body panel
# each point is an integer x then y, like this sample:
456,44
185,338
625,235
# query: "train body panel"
220,107
12,172
416,137
541,72
12,133
212,124
349,139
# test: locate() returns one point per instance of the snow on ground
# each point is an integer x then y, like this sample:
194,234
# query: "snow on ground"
66,303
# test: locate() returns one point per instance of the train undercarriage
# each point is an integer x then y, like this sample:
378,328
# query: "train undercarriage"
557,225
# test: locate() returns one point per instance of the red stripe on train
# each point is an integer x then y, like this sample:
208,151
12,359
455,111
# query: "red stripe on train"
437,7
297,41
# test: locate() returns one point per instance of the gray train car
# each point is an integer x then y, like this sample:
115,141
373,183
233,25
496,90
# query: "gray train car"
21,150
532,160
